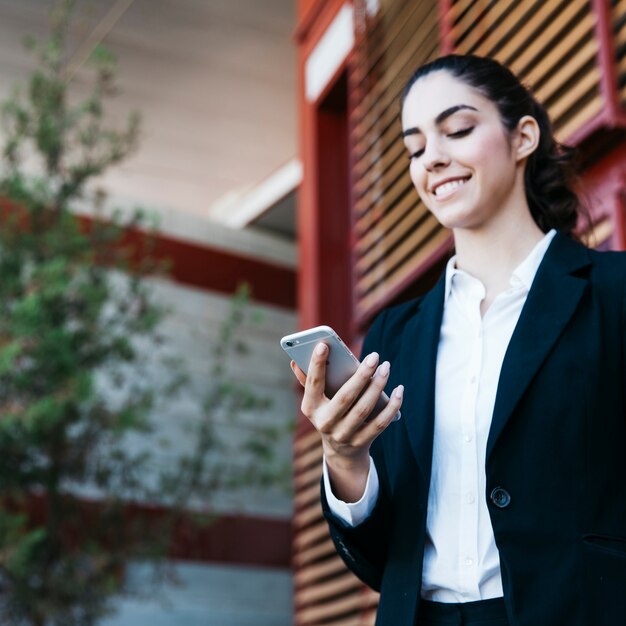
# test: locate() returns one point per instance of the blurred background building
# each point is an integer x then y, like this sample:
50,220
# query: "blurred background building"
365,239
215,83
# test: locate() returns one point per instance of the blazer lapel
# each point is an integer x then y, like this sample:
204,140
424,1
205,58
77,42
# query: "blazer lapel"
551,302
421,340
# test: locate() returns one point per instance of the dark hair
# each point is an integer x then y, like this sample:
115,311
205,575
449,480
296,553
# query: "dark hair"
550,174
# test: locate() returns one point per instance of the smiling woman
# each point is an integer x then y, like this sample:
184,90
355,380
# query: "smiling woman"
504,480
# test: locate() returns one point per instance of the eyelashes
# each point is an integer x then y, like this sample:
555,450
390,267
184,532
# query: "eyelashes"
455,135
415,155
461,133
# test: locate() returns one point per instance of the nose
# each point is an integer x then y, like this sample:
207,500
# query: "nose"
434,156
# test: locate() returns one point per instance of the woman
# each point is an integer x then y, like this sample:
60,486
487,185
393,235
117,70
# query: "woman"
500,496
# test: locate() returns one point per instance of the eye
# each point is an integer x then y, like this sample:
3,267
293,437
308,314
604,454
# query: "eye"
461,133
416,154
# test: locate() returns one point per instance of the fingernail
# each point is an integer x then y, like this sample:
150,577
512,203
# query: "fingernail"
383,369
321,349
398,392
372,359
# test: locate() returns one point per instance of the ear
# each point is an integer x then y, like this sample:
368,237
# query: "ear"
526,138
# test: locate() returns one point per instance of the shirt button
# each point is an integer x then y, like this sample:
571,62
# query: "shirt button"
469,562
500,497
468,437
470,498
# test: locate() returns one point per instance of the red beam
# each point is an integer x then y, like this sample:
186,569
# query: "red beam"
229,538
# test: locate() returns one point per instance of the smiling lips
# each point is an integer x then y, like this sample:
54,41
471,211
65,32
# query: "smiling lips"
446,187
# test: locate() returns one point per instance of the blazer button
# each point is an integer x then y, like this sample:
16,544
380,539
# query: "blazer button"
500,497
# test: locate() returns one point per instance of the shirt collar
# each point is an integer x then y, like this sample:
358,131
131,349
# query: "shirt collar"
522,276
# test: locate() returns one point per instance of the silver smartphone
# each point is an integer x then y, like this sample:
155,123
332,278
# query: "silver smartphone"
340,365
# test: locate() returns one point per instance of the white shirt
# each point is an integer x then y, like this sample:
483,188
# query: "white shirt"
461,560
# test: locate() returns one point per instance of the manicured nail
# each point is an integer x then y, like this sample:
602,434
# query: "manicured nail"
321,349
398,392
372,359
383,369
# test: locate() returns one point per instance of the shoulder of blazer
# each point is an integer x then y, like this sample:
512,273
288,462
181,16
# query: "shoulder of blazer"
390,322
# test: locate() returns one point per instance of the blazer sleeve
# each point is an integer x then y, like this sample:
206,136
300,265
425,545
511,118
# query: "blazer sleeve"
624,336
363,548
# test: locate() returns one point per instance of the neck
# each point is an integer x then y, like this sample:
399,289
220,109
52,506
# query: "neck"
493,252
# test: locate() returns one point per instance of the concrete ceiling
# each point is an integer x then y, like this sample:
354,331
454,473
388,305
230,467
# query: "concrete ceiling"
213,79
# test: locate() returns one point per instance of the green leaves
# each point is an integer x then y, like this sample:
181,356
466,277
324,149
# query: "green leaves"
79,334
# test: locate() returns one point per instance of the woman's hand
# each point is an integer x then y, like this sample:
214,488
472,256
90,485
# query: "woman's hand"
342,420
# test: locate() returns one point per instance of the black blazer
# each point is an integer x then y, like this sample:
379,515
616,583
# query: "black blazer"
556,452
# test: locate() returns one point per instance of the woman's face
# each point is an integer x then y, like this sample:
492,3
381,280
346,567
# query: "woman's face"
463,161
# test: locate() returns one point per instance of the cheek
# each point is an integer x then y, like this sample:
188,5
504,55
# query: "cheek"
418,178
492,151
418,175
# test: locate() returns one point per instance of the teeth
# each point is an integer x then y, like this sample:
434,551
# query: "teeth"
449,186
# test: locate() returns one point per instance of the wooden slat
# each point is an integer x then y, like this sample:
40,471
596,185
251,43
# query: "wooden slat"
305,442
461,6
514,44
388,166
369,301
474,34
553,57
306,517
619,10
472,17
411,221
318,614
621,67
382,106
398,254
354,620
313,534
380,227
338,609
308,575
393,34
309,477
590,110
517,14
314,553
620,36
393,193
415,34
329,589
305,460
576,91
567,70
369,130
306,496
545,33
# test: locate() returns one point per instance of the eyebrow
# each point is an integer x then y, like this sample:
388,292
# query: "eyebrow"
441,117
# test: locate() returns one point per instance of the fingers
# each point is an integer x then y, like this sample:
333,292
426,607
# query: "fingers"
315,380
344,421
373,427
368,402
298,373
353,388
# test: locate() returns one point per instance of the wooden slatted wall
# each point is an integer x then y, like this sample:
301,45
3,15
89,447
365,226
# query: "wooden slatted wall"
618,15
551,46
325,591
393,231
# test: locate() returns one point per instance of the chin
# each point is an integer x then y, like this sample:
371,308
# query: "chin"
455,217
